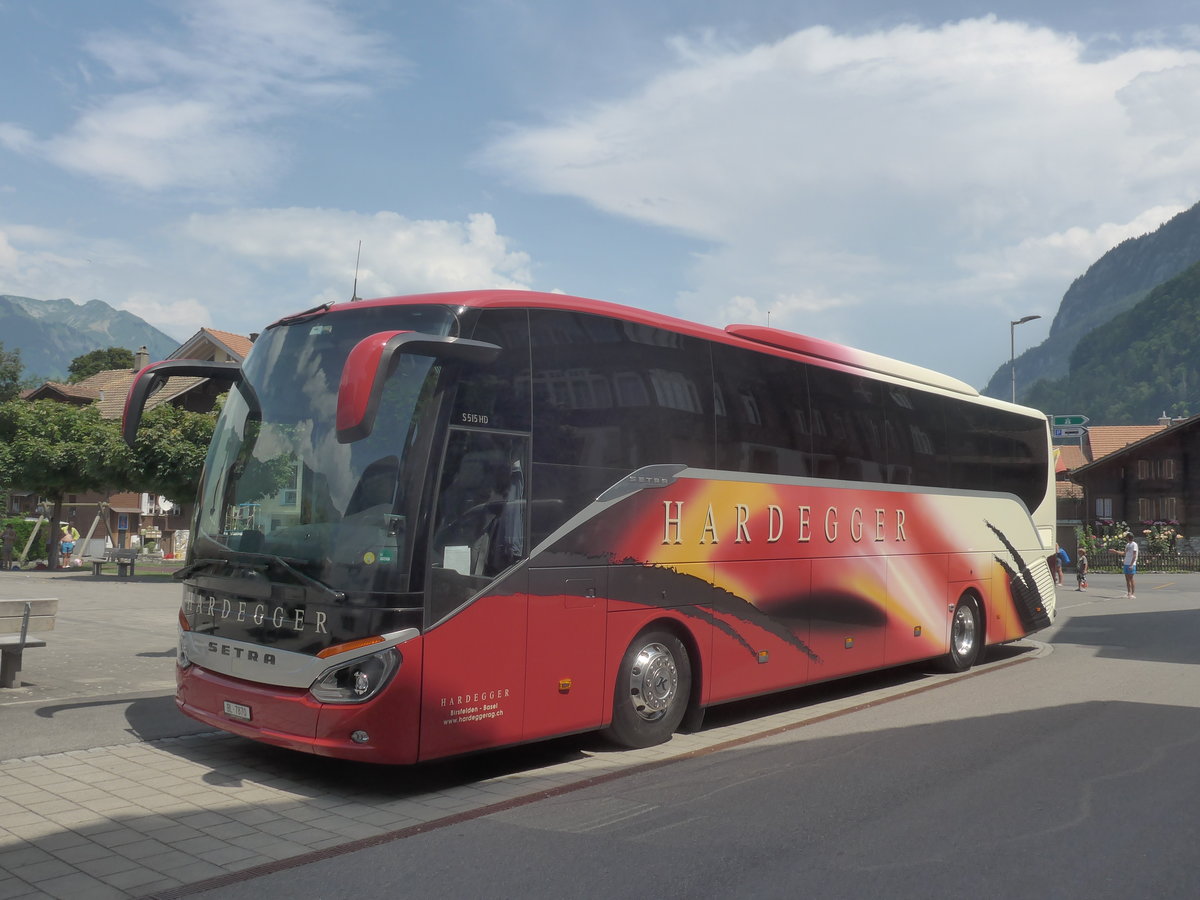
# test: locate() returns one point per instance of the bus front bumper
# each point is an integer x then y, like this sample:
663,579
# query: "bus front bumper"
383,729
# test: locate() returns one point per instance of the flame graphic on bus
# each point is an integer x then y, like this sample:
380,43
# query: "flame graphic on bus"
812,564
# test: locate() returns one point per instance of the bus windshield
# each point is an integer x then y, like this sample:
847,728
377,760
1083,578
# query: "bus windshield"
279,486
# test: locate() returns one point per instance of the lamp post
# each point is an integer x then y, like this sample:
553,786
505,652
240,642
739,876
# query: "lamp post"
1012,350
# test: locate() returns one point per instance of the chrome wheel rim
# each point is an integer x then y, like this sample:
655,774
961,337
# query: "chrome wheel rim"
963,637
653,682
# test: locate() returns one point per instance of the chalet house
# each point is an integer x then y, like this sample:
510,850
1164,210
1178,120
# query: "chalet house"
1141,478
129,519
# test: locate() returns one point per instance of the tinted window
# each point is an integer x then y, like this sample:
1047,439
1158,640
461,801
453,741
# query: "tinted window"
761,409
496,395
481,521
1021,456
915,430
847,426
562,491
968,436
995,450
618,395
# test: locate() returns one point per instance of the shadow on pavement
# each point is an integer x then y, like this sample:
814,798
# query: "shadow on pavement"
148,718
1171,636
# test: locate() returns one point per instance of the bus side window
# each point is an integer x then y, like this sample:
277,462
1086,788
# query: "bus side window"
850,442
480,528
497,394
915,429
762,413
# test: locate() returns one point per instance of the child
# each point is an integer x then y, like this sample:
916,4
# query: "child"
1081,569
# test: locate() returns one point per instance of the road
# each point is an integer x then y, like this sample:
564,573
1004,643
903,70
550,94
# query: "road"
107,674
1071,775
1064,767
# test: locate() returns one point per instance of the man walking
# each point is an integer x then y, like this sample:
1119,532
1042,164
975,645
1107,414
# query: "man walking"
1130,564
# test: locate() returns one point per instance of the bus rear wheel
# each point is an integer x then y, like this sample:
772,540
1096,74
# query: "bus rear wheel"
651,695
966,636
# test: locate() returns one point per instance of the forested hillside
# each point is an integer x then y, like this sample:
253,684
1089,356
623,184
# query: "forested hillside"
1143,362
1117,281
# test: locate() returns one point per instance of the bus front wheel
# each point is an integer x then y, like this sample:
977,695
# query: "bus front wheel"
652,690
966,636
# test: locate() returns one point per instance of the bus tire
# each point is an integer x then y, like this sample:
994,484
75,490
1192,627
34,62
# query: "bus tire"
652,690
966,636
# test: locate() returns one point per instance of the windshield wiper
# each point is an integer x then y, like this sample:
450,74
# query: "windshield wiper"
260,563
302,316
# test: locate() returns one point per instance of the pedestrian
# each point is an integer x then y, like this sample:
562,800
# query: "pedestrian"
1130,564
66,542
1055,562
8,538
1081,570
1063,561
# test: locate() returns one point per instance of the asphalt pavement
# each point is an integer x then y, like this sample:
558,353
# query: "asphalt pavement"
113,645
107,791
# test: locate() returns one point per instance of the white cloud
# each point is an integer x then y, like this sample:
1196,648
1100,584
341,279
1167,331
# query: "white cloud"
399,255
178,318
242,269
861,168
33,256
192,112
46,263
1056,258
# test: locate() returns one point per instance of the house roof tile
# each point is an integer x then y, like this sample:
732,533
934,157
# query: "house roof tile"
238,343
1105,439
1070,457
1067,490
62,389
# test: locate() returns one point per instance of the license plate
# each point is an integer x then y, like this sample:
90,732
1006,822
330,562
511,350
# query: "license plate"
237,710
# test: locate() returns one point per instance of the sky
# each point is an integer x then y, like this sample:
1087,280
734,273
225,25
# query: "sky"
903,178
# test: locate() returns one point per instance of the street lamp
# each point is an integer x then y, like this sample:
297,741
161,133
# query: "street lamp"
1012,350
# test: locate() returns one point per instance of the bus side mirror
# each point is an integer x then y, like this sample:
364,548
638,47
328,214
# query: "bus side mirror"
152,377
374,359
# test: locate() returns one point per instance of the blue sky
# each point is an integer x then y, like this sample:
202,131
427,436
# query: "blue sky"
901,178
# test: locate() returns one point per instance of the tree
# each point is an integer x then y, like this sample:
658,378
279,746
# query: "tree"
89,364
169,452
10,374
57,449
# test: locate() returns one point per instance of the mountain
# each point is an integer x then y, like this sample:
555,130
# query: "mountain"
1141,363
1115,283
51,333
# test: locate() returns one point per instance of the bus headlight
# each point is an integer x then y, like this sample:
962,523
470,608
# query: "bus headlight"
356,681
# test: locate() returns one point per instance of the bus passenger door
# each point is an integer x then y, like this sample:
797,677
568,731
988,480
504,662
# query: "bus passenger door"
473,690
564,673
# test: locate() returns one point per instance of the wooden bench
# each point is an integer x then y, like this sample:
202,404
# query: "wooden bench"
126,561
17,619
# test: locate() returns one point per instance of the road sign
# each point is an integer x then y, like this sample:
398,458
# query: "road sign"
1069,420
1070,431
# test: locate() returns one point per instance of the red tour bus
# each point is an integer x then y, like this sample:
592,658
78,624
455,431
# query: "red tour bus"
437,524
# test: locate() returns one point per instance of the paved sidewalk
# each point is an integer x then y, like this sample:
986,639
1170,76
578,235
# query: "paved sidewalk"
167,818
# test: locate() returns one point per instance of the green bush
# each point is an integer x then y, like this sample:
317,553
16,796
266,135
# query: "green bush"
23,527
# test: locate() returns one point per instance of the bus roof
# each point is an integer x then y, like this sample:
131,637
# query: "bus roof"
820,351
